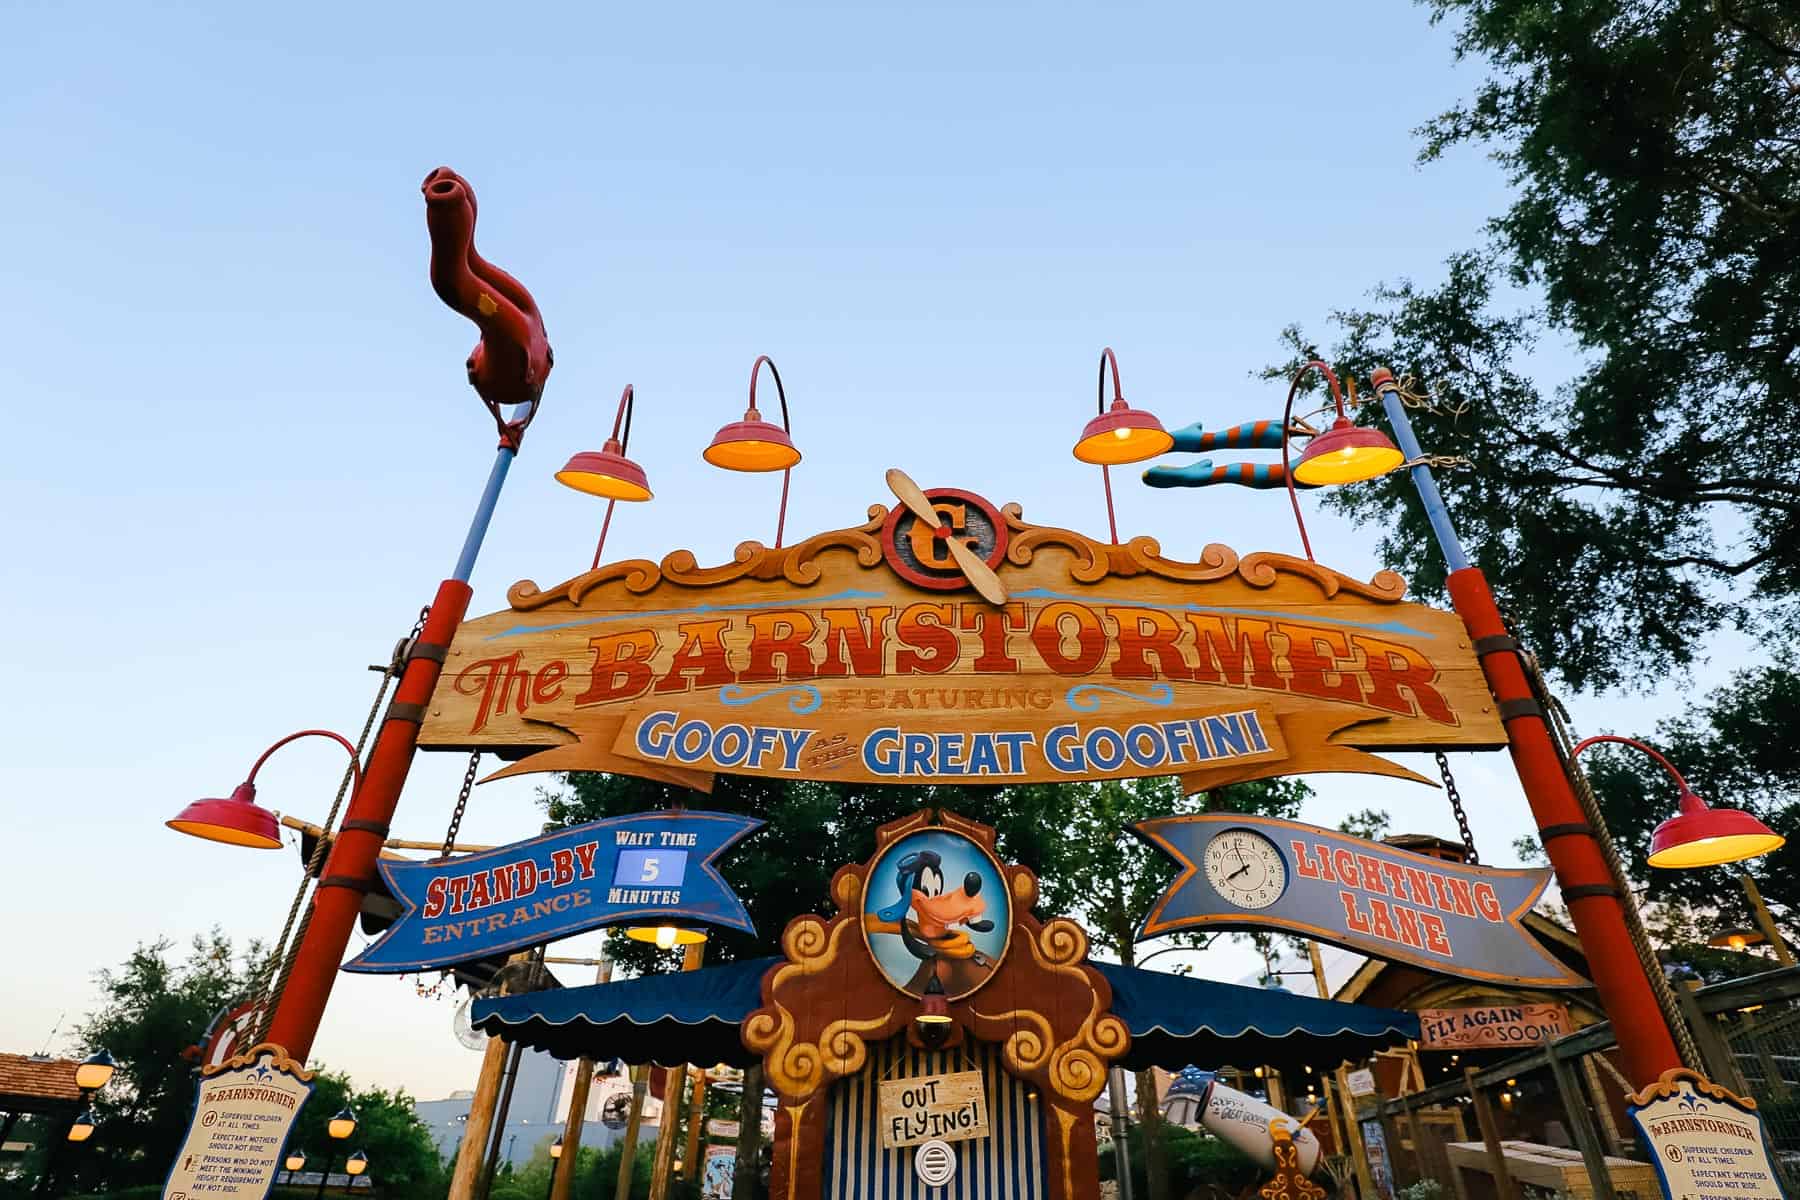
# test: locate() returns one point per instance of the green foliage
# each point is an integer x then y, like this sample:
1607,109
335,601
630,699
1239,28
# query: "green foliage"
596,1176
1424,1189
1195,1162
1737,748
153,1009
1652,498
1369,823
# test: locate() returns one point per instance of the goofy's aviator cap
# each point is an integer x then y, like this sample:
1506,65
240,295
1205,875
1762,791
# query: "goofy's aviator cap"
905,876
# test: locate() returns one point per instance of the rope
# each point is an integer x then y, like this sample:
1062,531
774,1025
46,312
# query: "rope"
287,947
1456,806
1634,922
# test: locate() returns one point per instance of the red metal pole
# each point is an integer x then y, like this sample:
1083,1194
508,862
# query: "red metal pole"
1595,904
350,867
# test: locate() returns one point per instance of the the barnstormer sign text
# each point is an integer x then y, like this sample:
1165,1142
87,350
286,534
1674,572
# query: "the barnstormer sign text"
863,654
1706,1143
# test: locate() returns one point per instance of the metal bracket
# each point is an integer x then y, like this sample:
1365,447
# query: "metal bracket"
433,651
1572,829
346,881
411,713
1527,707
1584,891
378,828
1500,643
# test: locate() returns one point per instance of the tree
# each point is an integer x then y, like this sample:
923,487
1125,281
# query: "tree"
153,1010
1652,498
1107,879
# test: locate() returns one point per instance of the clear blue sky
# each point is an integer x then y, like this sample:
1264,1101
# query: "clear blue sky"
244,452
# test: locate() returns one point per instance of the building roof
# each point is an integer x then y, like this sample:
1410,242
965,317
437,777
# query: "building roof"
36,1084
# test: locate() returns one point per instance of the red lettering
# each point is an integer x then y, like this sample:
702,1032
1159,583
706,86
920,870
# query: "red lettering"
1303,862
493,678
527,880
1313,658
479,896
1324,853
1382,920
1371,873
1352,915
621,666
548,684
1396,877
1418,886
434,898
1345,862
1409,926
1488,902
584,853
502,884
1142,633
992,626
562,868
856,635
1464,900
1048,633
459,887
782,634
1234,650
1436,940
702,652
1392,666
930,646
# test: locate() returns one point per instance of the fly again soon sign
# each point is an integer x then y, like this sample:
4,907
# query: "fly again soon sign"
868,654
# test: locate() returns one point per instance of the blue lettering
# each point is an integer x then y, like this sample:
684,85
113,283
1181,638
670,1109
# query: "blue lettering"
1015,744
1180,739
653,735
762,740
691,749
792,740
881,751
740,743
1114,758
918,754
1134,745
1227,733
1255,728
1062,749
984,758
950,749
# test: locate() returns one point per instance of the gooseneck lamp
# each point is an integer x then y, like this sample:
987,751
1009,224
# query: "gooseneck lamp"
1345,453
1118,435
756,445
1698,835
607,472
239,820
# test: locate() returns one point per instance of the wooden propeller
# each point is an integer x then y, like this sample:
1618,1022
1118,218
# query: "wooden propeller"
980,575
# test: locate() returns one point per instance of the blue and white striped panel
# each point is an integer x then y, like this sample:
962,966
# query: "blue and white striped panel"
1008,1164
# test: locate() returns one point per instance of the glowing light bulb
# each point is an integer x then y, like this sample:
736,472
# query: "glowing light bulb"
665,937
1121,433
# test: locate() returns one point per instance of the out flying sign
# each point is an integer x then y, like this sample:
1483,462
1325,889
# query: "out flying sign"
1243,872
654,867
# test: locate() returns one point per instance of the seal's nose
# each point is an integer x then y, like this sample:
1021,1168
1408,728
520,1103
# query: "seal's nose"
971,883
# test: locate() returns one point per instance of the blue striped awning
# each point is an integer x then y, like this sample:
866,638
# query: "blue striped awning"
1174,1020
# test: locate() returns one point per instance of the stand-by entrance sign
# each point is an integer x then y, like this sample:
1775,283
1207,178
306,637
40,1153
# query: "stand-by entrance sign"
863,654
1707,1143
652,867
246,1109
1242,872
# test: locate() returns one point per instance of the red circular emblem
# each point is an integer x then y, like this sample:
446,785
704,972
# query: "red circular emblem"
918,553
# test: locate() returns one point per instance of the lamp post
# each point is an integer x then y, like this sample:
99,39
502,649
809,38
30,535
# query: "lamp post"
1117,436
1595,899
556,1149
295,1162
1701,836
607,472
339,1129
756,445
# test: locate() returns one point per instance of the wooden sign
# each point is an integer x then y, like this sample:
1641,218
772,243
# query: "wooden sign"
1361,1082
1706,1143
868,654
925,1108
1492,1025
651,868
1245,872
242,1117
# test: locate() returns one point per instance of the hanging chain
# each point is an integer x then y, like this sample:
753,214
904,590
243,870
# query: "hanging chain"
462,801
1456,806
287,946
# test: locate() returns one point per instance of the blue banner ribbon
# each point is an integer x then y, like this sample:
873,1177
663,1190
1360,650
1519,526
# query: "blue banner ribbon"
1246,872
647,868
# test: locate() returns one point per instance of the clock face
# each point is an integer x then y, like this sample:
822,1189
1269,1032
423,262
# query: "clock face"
1245,868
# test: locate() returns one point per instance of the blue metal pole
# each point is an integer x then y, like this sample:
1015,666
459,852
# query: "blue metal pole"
484,513
1435,512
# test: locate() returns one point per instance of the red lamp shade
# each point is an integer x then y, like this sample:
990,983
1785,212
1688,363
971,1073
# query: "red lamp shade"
752,444
1122,434
1699,836
239,821
934,1006
606,473
1346,453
